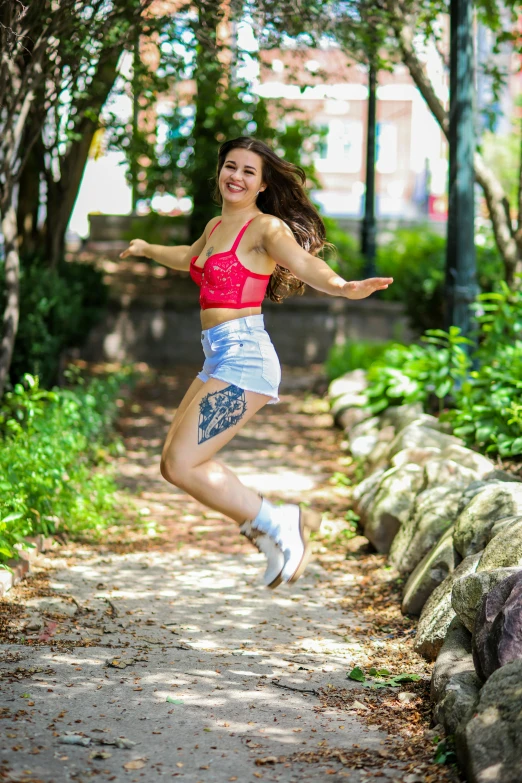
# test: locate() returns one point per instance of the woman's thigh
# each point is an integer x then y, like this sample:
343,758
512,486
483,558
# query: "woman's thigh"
216,413
191,392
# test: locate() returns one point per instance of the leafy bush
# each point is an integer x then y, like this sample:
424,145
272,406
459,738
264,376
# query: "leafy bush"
51,442
414,373
416,259
353,355
484,390
487,412
58,307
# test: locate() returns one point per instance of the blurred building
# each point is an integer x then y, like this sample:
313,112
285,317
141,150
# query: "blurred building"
411,166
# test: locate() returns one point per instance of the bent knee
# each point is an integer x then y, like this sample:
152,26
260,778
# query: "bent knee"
174,469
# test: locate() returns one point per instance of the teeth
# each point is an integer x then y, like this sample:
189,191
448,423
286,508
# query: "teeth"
234,187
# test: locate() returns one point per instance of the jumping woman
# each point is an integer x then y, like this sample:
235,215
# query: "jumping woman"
264,244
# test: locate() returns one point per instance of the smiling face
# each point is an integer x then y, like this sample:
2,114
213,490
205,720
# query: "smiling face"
241,177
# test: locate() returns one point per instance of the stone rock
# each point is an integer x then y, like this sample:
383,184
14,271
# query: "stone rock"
455,686
417,456
392,505
378,457
365,492
470,459
505,549
497,636
417,436
489,745
469,591
349,402
353,382
492,503
347,418
434,512
432,570
53,605
364,437
447,473
399,416
502,475
370,425
438,611
501,525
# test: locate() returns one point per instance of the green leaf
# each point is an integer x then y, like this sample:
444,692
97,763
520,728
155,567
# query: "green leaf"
356,674
172,700
406,677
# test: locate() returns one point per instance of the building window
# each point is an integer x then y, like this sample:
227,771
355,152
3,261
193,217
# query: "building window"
345,143
386,147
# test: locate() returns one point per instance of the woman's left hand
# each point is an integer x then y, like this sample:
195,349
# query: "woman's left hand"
360,289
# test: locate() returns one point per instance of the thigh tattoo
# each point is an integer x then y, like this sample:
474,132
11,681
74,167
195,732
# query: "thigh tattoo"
220,410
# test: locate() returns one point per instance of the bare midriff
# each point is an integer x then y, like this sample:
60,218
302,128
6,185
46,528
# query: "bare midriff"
217,315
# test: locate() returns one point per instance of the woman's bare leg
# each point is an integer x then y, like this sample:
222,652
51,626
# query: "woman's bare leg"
217,411
189,395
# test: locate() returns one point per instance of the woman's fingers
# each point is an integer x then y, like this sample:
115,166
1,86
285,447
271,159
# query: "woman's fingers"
133,249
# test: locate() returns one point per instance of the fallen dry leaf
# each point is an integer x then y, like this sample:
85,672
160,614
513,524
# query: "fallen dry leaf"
136,764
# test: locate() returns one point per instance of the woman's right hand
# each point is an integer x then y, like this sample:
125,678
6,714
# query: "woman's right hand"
137,247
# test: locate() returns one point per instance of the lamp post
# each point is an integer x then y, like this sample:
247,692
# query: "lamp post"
368,228
461,283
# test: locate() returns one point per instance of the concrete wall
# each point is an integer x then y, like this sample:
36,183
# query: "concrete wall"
302,329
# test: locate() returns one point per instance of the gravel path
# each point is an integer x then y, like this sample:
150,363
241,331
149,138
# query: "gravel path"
160,655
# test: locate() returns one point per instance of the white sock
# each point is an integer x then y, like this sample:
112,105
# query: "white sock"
276,520
264,520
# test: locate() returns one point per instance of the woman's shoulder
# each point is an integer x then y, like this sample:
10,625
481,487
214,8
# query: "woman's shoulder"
270,224
212,223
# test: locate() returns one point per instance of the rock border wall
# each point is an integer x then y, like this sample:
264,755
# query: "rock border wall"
451,524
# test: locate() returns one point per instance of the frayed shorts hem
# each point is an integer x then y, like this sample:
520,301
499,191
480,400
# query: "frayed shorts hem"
204,377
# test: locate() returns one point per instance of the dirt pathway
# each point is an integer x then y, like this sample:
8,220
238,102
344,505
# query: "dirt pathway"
159,654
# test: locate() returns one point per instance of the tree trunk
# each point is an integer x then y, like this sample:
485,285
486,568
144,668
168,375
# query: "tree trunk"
62,194
29,237
12,290
209,80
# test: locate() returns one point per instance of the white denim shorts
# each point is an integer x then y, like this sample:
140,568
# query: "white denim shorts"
241,352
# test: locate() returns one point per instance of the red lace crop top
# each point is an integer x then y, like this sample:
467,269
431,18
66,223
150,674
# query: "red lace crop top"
225,282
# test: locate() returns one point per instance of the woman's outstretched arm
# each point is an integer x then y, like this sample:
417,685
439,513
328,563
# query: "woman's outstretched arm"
174,257
281,245
177,257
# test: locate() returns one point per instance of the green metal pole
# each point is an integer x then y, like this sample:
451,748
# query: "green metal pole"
368,228
461,279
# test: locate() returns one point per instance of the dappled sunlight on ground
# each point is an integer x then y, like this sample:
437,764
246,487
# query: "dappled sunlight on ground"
161,634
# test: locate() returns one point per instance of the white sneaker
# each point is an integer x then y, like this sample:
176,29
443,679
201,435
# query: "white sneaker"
274,555
293,537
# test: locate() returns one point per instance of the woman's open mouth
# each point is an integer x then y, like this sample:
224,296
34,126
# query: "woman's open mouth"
234,188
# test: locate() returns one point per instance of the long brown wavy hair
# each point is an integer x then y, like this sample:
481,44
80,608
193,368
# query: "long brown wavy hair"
285,198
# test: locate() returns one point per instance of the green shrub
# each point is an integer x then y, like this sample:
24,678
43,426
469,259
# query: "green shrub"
484,390
353,355
51,443
58,307
158,229
487,410
415,373
416,259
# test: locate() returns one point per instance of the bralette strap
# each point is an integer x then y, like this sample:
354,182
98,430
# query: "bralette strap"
240,235
217,224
